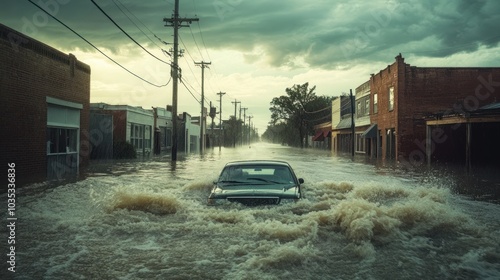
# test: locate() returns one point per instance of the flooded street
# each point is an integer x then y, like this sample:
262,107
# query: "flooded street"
149,220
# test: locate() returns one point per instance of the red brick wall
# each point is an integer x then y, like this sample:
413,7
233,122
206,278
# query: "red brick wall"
423,91
380,84
120,126
436,90
29,72
119,123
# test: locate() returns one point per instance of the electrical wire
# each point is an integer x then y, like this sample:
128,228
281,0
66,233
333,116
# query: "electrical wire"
189,66
211,69
188,63
196,43
157,37
191,93
96,48
320,110
124,32
123,12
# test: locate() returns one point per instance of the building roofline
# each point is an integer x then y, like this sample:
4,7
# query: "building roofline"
400,58
15,39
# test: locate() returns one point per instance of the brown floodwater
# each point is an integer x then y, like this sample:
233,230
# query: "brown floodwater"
148,219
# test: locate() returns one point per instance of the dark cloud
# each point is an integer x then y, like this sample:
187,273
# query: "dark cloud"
325,34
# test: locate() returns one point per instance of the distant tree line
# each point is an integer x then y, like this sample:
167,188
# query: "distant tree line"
237,133
294,115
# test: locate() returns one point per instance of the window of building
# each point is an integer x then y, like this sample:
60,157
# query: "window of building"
391,98
140,137
62,140
363,106
360,143
367,105
375,103
137,136
147,137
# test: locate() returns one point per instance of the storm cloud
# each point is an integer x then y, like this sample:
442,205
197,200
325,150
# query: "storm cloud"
319,34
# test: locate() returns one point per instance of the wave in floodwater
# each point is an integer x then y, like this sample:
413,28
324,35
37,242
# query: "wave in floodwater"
153,223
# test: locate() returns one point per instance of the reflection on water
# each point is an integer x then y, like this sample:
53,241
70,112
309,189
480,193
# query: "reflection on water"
148,219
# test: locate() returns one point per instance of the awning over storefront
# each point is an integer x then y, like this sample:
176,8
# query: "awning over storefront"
371,132
344,123
321,135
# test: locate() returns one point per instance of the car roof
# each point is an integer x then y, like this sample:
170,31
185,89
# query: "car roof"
258,162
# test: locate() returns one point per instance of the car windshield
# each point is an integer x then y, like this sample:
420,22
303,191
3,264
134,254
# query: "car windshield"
264,173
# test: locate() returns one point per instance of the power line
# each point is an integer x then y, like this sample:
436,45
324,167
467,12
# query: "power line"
191,93
191,69
188,63
130,12
320,110
124,32
88,42
196,43
123,12
201,34
212,69
203,41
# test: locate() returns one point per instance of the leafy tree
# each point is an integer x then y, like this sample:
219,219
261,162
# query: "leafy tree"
232,131
281,133
291,109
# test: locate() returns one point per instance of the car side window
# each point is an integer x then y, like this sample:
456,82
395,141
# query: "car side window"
283,175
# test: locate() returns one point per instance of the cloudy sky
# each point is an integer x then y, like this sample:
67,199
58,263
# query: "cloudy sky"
258,48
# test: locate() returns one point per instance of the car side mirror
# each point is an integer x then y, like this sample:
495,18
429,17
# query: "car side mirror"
301,181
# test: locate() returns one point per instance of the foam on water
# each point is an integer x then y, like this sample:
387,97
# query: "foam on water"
153,203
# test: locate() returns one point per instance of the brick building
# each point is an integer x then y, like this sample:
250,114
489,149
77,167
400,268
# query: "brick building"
149,131
134,125
44,109
403,95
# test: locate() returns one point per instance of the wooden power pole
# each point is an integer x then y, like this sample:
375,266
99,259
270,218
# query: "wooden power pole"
202,116
176,23
353,129
220,94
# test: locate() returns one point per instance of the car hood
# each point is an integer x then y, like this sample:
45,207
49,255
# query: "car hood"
257,190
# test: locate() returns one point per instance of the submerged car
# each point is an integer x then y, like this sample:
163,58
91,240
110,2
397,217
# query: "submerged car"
256,183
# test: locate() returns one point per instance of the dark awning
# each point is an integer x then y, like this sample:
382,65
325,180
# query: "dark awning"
371,132
319,136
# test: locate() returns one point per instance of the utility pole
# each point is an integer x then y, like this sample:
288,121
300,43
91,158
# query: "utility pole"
202,116
176,23
353,129
212,115
235,121
249,131
235,105
220,94
244,119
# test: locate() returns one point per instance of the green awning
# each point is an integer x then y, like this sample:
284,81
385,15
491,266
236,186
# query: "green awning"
371,132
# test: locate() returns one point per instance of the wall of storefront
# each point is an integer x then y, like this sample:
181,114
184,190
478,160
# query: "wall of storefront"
38,83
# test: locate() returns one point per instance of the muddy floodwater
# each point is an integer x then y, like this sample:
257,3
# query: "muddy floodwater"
148,219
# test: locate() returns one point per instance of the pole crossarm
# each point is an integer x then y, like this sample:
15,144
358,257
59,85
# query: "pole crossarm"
175,21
